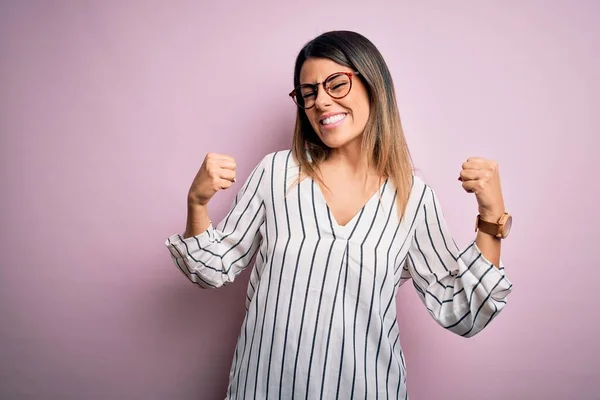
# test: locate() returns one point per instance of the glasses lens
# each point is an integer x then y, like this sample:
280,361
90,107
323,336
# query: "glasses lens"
338,86
305,96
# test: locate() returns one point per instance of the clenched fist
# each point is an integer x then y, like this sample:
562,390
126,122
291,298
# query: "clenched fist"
217,172
481,177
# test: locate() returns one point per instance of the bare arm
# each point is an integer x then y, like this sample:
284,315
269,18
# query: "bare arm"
489,247
198,220
216,173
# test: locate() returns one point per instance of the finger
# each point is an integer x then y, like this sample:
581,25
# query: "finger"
217,156
225,184
476,159
474,164
470,186
227,174
226,164
470,175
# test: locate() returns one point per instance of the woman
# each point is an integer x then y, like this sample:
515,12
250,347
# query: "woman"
339,223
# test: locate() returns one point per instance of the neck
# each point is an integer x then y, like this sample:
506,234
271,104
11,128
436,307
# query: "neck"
349,158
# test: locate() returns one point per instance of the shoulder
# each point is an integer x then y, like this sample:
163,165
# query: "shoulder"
277,165
422,194
278,162
419,187
277,157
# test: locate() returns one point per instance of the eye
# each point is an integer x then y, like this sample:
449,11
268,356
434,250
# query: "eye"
336,85
307,95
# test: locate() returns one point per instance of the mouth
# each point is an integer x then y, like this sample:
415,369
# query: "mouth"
333,120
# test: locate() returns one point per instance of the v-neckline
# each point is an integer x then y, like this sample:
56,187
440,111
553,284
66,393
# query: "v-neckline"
358,213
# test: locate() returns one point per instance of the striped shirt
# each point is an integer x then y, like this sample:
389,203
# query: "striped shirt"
320,318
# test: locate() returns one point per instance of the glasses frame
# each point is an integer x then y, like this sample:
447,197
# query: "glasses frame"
315,87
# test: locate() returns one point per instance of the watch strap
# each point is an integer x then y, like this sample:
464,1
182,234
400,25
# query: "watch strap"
491,228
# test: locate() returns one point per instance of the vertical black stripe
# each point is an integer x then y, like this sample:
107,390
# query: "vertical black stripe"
387,268
437,217
387,378
250,353
297,267
333,311
312,263
337,286
326,269
282,266
375,268
343,323
344,301
360,273
431,239
256,315
240,195
385,278
234,367
239,373
273,207
265,260
250,200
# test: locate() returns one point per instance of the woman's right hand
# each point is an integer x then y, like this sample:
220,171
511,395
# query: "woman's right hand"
217,172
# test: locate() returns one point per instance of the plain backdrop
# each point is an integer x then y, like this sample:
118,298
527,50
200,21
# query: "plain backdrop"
107,109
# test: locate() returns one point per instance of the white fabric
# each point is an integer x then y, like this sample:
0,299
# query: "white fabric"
321,309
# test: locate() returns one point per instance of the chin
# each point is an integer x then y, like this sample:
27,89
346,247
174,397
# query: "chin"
335,140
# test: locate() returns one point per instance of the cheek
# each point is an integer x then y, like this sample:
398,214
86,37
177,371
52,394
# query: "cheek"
312,119
362,113
360,107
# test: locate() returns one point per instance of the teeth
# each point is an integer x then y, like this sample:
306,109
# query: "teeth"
334,119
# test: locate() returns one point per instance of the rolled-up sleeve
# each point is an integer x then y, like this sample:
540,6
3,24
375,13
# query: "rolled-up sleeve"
216,256
462,290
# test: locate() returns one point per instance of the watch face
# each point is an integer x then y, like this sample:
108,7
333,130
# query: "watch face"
507,226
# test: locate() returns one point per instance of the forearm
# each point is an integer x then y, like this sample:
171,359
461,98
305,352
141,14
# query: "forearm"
198,220
489,247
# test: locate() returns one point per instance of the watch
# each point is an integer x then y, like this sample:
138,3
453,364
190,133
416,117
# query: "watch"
499,229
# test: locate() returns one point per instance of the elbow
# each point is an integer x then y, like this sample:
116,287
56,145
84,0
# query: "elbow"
208,281
201,276
462,322
481,319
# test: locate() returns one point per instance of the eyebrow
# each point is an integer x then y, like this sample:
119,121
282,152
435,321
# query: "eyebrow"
316,83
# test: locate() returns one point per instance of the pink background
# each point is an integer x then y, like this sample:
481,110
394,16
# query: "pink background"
107,109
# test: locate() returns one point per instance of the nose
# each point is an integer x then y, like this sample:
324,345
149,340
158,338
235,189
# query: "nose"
323,99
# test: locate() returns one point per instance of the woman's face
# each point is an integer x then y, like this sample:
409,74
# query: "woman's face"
338,122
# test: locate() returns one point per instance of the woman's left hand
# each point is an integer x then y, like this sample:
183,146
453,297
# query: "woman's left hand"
481,177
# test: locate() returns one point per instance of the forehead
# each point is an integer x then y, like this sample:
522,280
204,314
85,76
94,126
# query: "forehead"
317,69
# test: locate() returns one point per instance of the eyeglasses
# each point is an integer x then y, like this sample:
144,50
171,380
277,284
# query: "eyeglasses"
336,85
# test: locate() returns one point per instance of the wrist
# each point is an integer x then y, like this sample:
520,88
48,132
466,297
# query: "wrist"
491,216
195,202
